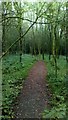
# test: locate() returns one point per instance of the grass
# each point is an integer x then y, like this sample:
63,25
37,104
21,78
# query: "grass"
57,87
14,75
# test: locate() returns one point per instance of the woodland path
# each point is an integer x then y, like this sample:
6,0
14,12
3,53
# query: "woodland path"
34,96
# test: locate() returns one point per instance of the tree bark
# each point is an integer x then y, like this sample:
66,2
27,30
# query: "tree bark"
20,31
67,31
54,48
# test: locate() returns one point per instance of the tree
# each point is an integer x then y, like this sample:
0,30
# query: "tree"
66,24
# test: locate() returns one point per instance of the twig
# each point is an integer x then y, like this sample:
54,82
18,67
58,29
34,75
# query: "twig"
23,34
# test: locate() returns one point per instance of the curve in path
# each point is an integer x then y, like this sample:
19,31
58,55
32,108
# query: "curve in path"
34,95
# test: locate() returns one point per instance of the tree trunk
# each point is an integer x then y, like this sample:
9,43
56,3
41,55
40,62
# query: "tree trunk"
54,49
67,31
3,29
43,55
50,42
20,31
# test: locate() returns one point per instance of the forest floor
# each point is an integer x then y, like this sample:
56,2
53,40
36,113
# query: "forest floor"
34,96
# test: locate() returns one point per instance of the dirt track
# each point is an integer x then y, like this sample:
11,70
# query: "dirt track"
34,96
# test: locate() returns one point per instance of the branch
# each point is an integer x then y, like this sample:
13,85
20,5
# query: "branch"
23,34
33,21
26,20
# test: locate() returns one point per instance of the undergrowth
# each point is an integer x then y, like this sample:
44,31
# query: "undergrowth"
14,75
57,87
13,78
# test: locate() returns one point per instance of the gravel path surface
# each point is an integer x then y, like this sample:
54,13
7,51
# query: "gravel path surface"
34,96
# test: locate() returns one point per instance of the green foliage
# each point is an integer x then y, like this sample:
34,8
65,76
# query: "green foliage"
14,75
57,86
56,112
39,39
42,38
